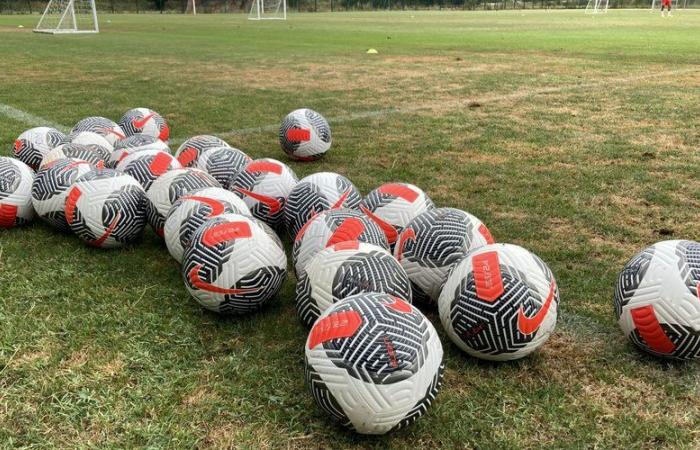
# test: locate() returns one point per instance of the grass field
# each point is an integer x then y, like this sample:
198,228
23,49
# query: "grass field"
574,136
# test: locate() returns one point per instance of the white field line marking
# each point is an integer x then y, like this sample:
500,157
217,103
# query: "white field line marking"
30,119
466,101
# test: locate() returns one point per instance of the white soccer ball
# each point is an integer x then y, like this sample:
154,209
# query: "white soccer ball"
106,208
657,300
222,163
96,155
145,121
432,243
32,145
134,144
264,185
346,269
191,210
102,126
373,363
16,180
233,265
169,187
394,205
305,135
147,165
316,193
51,186
188,153
499,303
90,138
332,227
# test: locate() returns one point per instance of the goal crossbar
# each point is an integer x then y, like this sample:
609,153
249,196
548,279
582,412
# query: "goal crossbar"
268,10
68,17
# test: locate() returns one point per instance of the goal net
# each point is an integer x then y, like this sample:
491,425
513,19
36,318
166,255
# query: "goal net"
597,6
268,9
68,16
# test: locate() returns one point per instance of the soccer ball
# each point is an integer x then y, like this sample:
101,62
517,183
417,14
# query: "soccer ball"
50,189
145,121
90,138
332,227
16,180
190,211
657,299
394,205
233,265
432,243
93,154
264,185
499,303
222,163
188,153
106,208
305,135
102,126
147,165
373,363
31,146
346,269
170,186
134,144
315,193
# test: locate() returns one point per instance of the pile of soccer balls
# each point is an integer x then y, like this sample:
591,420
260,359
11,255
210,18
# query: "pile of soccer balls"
373,361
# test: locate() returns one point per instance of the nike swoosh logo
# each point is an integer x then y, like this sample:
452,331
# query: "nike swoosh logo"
528,325
272,203
142,123
197,282
110,229
341,200
217,208
387,228
111,131
407,235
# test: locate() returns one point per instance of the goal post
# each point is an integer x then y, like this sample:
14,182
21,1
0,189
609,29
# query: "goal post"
191,7
597,6
268,9
68,16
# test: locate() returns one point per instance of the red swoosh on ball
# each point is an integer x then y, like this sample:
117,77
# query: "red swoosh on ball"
271,202
528,325
197,282
142,123
111,131
217,208
110,229
341,200
408,234
387,228
349,230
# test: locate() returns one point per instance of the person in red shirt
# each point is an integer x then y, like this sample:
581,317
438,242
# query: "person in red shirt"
666,4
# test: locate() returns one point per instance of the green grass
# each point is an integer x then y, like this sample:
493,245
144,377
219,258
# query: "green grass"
584,148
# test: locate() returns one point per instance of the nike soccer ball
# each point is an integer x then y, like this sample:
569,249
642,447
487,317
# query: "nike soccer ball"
190,211
330,228
32,145
233,264
102,126
145,121
264,185
305,135
315,193
106,208
188,153
393,206
499,303
134,144
169,187
16,180
90,138
147,165
432,243
51,186
373,363
346,269
93,154
657,300
222,163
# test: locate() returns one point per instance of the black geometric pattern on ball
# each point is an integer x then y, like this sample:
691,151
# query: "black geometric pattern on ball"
10,178
422,406
631,276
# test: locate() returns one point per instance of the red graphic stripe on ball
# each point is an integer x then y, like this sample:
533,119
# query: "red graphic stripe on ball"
400,305
486,234
487,276
114,132
197,282
349,230
334,326
108,232
302,230
224,232
298,134
407,235
68,167
71,202
164,133
387,228
217,208
160,163
528,325
399,190
187,156
650,330
264,166
274,204
18,145
8,215
347,245
341,200
142,122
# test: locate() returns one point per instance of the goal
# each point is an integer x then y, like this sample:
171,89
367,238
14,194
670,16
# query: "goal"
68,16
597,6
268,9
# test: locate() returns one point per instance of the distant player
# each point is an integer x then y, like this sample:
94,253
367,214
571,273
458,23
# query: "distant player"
666,4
